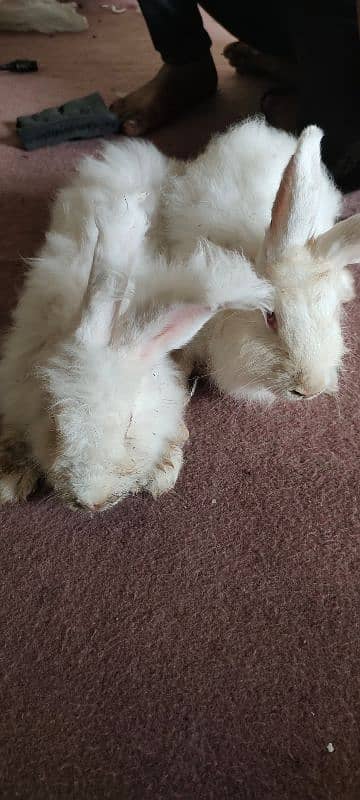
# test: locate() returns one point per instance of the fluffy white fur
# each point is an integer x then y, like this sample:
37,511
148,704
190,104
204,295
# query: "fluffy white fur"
89,395
44,16
146,255
261,191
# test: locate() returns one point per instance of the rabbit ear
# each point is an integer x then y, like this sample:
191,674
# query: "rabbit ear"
106,293
341,244
227,279
296,201
172,329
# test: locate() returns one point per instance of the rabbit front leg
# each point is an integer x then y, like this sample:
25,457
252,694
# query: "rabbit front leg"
19,475
166,472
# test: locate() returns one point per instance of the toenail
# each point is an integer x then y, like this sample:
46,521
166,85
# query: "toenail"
131,127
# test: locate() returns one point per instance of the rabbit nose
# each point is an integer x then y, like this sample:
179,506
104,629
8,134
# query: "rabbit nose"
95,506
91,507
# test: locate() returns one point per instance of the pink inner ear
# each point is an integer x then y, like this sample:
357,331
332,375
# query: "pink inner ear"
175,328
281,207
174,324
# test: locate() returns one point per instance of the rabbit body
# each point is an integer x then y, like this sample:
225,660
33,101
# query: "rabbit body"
144,256
43,363
262,192
90,396
227,193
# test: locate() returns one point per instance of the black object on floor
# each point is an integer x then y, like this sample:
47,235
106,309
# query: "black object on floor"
20,65
85,118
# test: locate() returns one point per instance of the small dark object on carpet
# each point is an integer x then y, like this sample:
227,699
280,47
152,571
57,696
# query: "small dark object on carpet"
20,65
85,118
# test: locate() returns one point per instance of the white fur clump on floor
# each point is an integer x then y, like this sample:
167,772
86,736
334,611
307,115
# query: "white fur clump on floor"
44,16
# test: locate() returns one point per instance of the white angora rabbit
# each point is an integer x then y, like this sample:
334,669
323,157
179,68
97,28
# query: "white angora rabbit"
90,397
261,191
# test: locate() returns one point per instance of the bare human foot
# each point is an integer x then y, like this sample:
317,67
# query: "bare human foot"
175,89
280,108
279,103
248,61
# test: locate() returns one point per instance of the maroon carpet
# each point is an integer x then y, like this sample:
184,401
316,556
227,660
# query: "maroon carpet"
205,646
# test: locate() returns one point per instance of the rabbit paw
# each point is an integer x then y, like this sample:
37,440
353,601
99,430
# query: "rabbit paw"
18,474
167,471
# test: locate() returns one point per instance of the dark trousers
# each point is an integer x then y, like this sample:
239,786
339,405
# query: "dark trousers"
178,33
321,36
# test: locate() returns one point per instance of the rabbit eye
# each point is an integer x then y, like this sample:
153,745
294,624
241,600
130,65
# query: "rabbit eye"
271,320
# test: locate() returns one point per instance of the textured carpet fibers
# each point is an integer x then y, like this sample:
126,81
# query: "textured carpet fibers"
205,646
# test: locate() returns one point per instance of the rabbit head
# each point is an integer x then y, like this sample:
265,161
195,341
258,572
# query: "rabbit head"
114,398
302,345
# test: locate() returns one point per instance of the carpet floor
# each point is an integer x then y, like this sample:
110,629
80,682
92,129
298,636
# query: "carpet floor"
205,646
